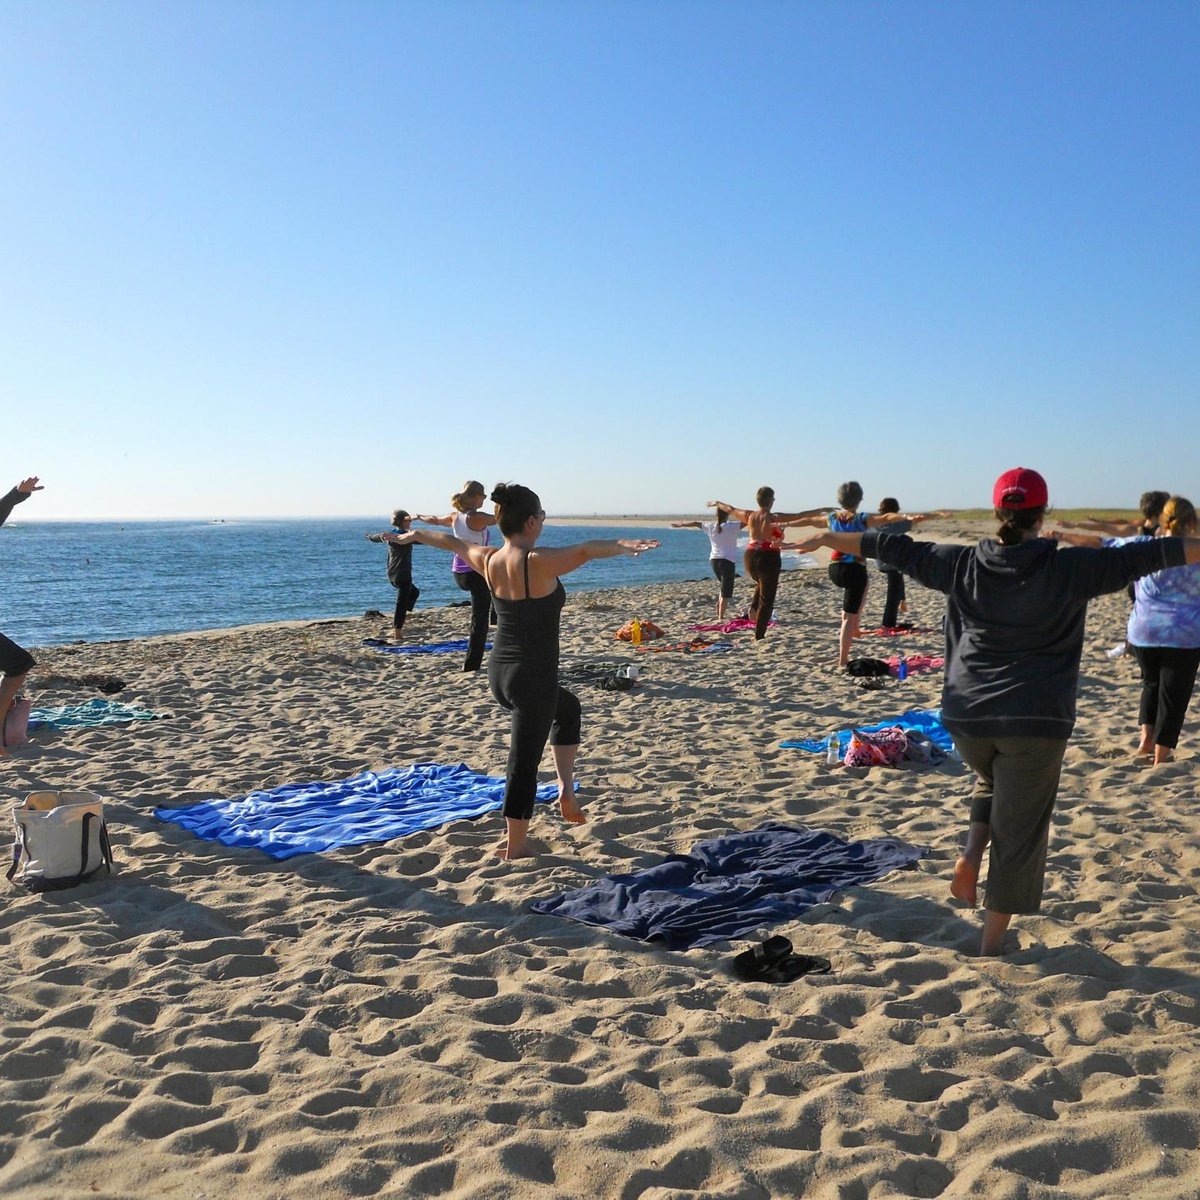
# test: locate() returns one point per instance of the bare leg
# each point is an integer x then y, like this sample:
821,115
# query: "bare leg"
9,688
845,637
720,607
564,768
1163,754
964,885
517,844
1146,745
995,925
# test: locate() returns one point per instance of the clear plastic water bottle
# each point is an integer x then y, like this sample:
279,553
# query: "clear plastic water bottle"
832,753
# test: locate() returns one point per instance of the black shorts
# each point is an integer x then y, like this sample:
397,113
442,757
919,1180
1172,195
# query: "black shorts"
851,577
726,572
14,659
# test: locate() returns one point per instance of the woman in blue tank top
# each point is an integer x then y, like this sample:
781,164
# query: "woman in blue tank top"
848,571
523,668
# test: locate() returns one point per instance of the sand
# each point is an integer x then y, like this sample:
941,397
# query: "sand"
392,1020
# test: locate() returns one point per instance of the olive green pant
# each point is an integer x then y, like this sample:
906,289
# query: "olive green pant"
1016,783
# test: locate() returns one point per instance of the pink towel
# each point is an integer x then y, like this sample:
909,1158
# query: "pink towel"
729,626
917,664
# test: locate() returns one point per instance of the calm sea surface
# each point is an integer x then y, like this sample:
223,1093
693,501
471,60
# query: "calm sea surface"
99,581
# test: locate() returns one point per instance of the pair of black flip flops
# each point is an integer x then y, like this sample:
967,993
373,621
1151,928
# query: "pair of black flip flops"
775,962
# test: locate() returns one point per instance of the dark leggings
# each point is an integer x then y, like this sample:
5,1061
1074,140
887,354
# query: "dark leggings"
726,572
406,601
540,710
1168,676
895,594
14,659
763,566
851,577
481,603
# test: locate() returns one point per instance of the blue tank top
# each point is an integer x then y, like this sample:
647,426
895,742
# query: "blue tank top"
856,524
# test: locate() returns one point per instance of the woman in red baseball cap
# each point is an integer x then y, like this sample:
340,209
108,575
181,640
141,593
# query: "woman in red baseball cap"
1015,611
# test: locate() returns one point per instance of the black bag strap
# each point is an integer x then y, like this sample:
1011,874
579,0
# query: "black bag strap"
106,847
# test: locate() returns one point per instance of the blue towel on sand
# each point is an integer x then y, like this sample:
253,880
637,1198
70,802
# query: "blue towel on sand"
427,648
927,721
728,887
90,714
306,818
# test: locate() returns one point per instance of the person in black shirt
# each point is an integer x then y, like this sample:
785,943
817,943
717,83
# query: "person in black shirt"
399,570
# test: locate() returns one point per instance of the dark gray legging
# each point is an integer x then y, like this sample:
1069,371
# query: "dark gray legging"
540,709
763,566
481,603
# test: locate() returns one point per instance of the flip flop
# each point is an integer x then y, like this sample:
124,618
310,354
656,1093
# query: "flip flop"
774,962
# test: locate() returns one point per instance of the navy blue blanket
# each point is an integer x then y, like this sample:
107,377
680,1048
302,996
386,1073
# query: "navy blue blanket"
306,818
728,887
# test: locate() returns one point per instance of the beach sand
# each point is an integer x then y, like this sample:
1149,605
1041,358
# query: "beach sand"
392,1020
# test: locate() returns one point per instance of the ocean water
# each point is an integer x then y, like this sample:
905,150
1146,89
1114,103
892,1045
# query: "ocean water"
101,581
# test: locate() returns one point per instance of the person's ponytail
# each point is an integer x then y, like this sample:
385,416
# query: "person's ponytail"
1015,523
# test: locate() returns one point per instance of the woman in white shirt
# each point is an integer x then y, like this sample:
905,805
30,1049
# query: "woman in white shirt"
723,538
470,525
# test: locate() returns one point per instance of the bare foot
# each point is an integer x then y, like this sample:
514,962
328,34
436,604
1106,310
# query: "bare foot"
510,851
571,811
964,884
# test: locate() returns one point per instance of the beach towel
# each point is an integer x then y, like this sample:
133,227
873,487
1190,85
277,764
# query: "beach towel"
306,818
695,646
427,648
730,886
926,721
733,626
895,631
916,664
90,714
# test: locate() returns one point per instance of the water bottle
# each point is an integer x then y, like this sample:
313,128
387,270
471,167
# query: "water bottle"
902,669
635,633
832,756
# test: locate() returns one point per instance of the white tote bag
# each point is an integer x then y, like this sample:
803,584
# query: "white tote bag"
61,840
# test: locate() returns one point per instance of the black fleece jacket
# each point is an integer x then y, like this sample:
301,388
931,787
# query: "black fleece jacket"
1015,621
9,502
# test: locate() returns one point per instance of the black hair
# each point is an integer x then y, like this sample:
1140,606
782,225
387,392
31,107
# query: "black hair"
849,495
514,506
889,504
1016,522
722,516
1151,504
399,516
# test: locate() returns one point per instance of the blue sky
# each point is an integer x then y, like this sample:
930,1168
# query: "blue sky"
324,259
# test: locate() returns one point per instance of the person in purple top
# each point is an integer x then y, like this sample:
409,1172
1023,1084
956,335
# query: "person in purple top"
1015,611
1164,633
15,661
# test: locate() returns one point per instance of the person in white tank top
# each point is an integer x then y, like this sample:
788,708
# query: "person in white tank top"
471,526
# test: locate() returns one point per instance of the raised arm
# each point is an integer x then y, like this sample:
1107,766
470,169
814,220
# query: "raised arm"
469,553
20,493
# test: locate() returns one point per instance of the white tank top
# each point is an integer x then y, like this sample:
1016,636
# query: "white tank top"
473,537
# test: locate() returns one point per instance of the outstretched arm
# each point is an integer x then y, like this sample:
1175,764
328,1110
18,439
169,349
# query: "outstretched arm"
562,559
686,525
1093,540
845,543
428,520
1111,528
810,516
739,514
469,553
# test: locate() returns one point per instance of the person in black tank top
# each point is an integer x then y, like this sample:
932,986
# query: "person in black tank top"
523,667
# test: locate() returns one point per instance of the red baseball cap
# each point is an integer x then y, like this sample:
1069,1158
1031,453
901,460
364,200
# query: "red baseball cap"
1022,487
